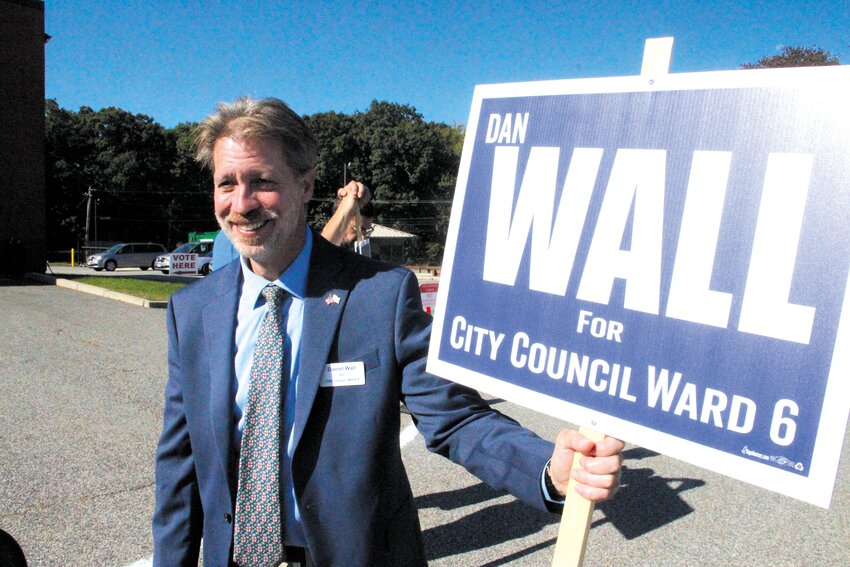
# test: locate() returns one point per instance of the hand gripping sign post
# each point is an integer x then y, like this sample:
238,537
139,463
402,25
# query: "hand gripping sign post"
663,258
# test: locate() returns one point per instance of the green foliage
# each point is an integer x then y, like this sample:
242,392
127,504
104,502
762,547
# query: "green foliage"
144,182
795,57
409,164
147,185
146,289
189,204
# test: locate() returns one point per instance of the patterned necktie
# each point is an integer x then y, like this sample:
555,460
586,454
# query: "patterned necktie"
257,532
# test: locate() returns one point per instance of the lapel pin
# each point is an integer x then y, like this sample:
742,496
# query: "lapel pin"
333,298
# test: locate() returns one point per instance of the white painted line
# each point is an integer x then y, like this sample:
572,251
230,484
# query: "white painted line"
407,435
142,563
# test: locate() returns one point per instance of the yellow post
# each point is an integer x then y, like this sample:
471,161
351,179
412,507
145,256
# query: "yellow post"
72,257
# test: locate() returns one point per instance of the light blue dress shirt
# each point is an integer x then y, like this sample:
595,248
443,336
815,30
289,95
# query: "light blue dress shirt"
252,310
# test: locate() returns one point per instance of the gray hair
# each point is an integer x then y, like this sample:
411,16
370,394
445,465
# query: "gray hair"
264,118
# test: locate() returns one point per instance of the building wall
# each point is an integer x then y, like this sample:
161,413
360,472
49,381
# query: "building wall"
22,191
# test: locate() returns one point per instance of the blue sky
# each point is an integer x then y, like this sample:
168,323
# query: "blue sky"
174,60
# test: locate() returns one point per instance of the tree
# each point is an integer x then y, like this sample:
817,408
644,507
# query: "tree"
121,161
189,202
411,167
338,148
148,186
795,57
409,164
66,152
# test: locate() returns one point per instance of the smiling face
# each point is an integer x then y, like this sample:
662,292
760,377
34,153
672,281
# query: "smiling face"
260,202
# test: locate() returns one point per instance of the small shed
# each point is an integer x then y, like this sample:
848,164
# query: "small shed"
388,243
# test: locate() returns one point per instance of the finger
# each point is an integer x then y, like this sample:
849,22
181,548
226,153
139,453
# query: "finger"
572,440
601,465
349,189
567,443
365,195
596,486
609,446
610,482
596,494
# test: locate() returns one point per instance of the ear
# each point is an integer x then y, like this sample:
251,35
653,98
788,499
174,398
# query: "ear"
308,180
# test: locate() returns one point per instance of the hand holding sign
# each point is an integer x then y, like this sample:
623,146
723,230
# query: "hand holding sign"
598,477
341,227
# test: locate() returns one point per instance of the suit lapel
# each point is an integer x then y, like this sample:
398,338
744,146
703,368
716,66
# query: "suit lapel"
219,331
323,308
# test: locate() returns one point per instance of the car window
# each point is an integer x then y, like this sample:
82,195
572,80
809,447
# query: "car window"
126,249
184,247
113,249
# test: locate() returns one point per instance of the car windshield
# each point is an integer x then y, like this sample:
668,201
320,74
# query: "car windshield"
185,247
113,249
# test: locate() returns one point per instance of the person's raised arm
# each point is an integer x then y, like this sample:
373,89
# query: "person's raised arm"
355,193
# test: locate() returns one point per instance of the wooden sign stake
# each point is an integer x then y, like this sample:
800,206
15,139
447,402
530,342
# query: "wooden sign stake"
575,519
357,222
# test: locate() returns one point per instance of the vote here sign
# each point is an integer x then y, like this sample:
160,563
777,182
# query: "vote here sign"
665,261
184,264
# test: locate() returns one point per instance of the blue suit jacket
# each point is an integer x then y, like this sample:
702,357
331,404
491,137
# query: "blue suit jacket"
355,500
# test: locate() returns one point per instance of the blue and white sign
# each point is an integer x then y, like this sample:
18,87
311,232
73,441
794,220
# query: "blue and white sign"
665,261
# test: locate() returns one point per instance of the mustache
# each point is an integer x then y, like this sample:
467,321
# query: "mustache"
257,215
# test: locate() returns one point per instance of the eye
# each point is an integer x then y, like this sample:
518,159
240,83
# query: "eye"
263,182
225,184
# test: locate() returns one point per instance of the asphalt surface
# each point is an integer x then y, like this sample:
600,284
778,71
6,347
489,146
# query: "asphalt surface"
80,413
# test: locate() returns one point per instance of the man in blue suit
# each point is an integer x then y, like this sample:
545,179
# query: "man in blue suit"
355,344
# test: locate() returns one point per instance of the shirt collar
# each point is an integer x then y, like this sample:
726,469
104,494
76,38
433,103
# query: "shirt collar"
293,279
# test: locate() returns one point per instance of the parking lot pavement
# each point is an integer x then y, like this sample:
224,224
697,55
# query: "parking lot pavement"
80,413
80,410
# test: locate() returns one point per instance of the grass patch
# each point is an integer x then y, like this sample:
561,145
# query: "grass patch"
146,289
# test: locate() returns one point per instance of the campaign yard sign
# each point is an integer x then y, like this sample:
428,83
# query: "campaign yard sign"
663,260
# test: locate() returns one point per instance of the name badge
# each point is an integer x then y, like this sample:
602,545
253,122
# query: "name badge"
344,374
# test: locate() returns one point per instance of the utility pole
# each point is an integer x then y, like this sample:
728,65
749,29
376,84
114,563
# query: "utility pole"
88,214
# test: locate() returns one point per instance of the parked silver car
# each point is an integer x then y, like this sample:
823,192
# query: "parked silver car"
202,249
126,255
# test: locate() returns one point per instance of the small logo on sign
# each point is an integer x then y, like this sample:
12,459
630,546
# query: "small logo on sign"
779,460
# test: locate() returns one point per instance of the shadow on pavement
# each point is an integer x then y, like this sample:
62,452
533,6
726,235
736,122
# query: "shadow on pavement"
483,528
644,503
10,281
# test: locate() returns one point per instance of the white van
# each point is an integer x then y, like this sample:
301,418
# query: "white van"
126,255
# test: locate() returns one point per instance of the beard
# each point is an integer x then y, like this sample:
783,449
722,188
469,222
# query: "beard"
258,248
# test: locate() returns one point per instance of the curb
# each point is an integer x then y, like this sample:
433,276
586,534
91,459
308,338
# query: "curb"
94,290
